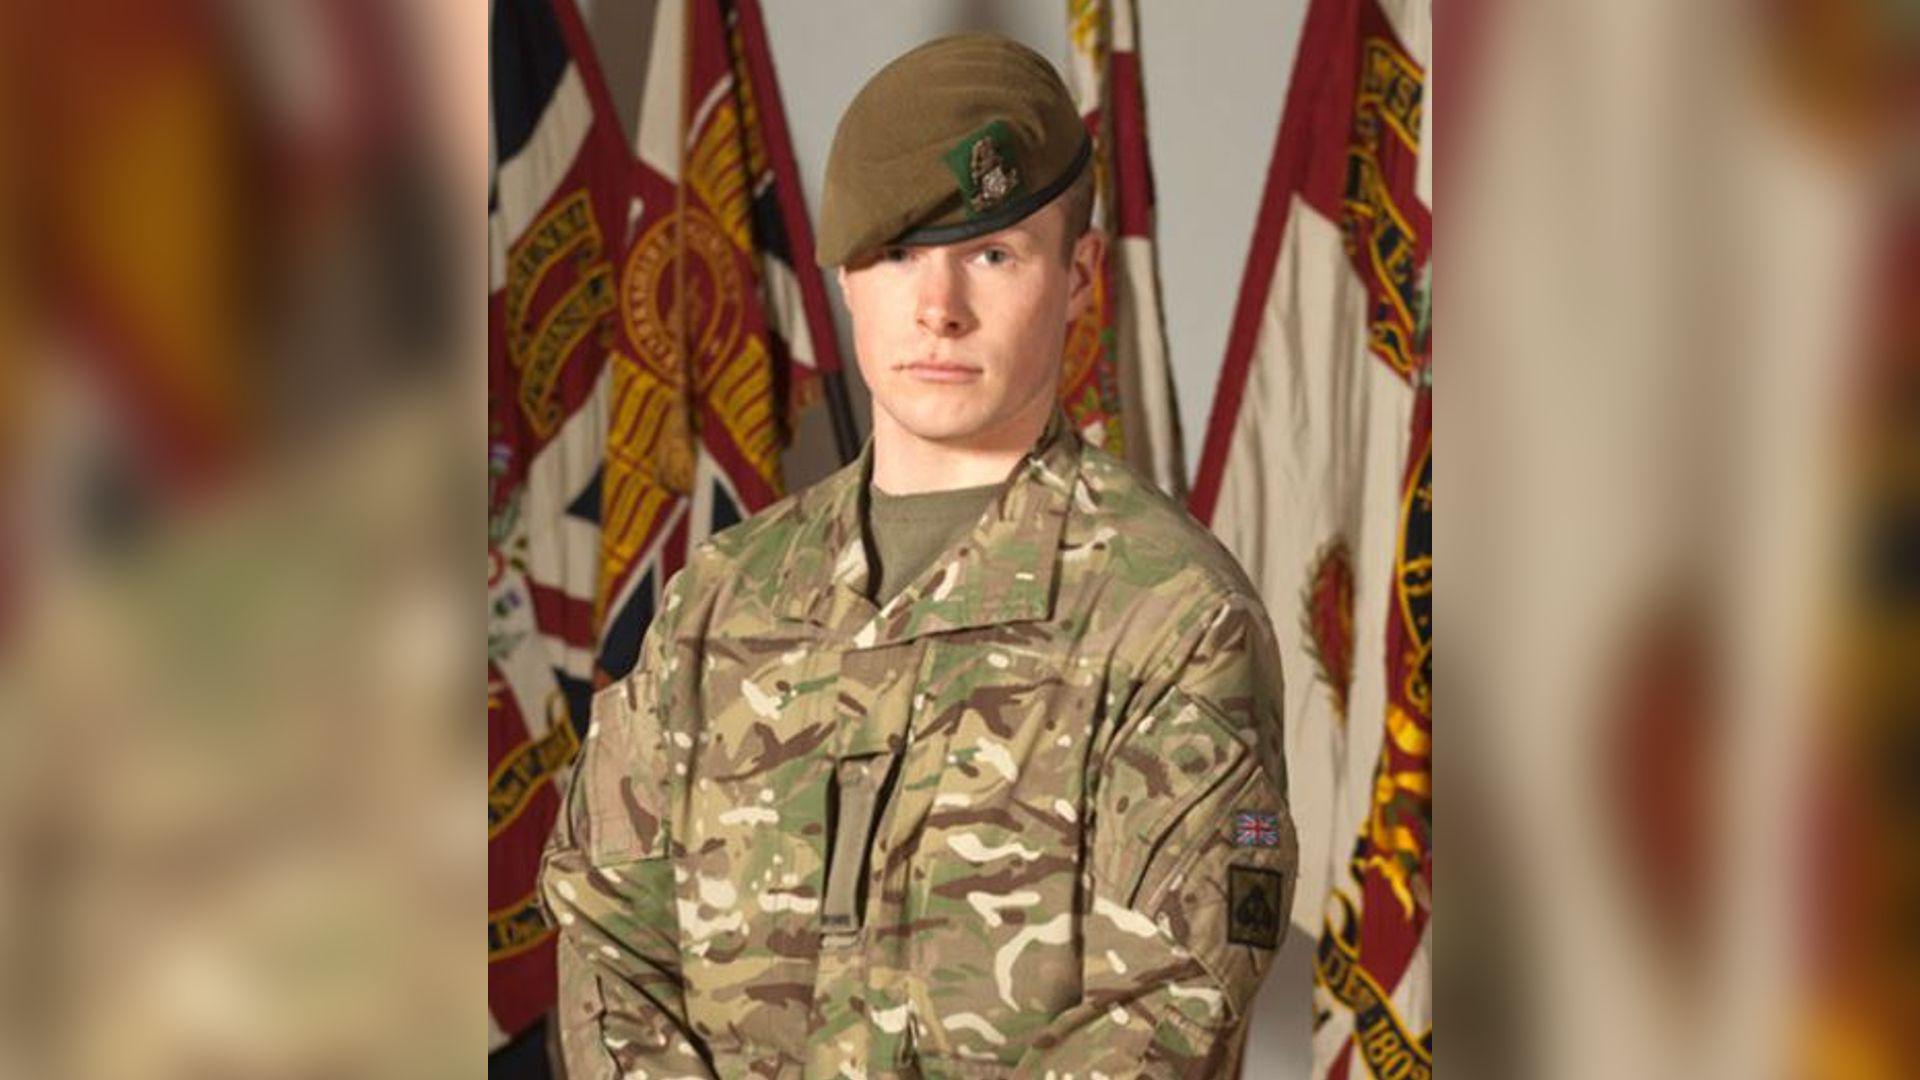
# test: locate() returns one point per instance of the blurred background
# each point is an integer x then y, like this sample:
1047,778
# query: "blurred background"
241,279
241,492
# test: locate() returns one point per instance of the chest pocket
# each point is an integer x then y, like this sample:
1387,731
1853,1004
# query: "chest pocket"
993,892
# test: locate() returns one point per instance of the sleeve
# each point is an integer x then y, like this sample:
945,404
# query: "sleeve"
1192,864
606,878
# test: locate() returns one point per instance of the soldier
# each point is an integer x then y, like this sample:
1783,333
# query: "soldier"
965,761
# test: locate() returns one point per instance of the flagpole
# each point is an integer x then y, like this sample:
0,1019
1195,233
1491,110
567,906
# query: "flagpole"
689,397
846,438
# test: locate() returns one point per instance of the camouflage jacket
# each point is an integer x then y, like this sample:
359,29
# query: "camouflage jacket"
1028,819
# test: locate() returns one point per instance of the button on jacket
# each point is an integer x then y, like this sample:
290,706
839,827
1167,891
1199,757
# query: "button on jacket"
1028,817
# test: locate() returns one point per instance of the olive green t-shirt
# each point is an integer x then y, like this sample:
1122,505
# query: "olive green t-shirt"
907,532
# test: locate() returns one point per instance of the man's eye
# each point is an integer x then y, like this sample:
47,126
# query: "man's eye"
894,255
994,256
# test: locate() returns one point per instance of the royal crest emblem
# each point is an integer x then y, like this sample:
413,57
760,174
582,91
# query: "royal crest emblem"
1327,620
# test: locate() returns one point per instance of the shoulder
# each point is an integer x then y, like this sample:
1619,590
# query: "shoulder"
755,560
1174,602
1151,537
762,539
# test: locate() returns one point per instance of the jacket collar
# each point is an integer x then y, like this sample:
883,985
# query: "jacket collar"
1001,572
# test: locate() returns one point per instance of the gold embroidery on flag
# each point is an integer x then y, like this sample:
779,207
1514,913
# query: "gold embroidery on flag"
651,451
749,105
554,234
716,293
514,929
522,771
1415,585
1084,19
803,389
1390,84
740,393
716,171
1406,734
565,236
1379,1033
1384,245
572,319
649,463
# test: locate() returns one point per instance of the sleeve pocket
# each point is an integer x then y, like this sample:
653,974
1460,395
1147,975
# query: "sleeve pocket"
624,772
1226,889
1173,759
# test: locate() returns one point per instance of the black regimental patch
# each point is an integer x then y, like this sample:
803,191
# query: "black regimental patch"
1253,906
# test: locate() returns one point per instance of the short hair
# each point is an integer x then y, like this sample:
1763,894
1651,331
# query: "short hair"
1077,200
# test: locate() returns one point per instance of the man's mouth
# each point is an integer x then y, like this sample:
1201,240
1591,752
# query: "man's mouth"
945,371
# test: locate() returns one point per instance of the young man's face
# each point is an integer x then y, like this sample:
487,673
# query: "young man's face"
961,343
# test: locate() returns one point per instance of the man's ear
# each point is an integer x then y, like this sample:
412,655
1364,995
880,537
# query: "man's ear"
1089,255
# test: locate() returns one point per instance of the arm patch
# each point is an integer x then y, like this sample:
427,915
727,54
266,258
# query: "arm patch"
1253,906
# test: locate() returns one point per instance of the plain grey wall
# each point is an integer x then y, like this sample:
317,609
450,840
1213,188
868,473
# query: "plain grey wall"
1216,75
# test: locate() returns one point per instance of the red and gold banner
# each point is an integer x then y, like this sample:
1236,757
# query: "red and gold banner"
556,223
1317,473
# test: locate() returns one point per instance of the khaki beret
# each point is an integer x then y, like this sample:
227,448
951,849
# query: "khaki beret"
959,137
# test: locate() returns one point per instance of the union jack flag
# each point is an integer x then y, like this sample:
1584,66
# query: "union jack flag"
1256,828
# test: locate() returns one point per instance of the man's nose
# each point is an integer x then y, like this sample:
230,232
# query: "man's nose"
942,309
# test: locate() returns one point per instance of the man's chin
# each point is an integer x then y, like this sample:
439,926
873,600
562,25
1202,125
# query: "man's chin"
943,429
940,417
952,419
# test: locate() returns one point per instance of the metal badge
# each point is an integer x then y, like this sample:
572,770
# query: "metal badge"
983,163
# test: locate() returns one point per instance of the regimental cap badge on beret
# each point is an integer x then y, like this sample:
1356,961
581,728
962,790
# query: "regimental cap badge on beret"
983,162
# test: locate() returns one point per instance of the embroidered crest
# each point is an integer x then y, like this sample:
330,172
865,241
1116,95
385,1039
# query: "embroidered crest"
1327,618
983,163
1256,828
1253,907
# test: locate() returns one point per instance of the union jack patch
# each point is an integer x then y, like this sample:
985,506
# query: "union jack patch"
1256,828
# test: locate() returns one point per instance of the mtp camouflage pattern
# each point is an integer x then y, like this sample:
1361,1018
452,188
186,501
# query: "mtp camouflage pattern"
985,830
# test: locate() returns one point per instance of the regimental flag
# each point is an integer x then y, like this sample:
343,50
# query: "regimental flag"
1317,473
704,394
650,344
1116,384
555,227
